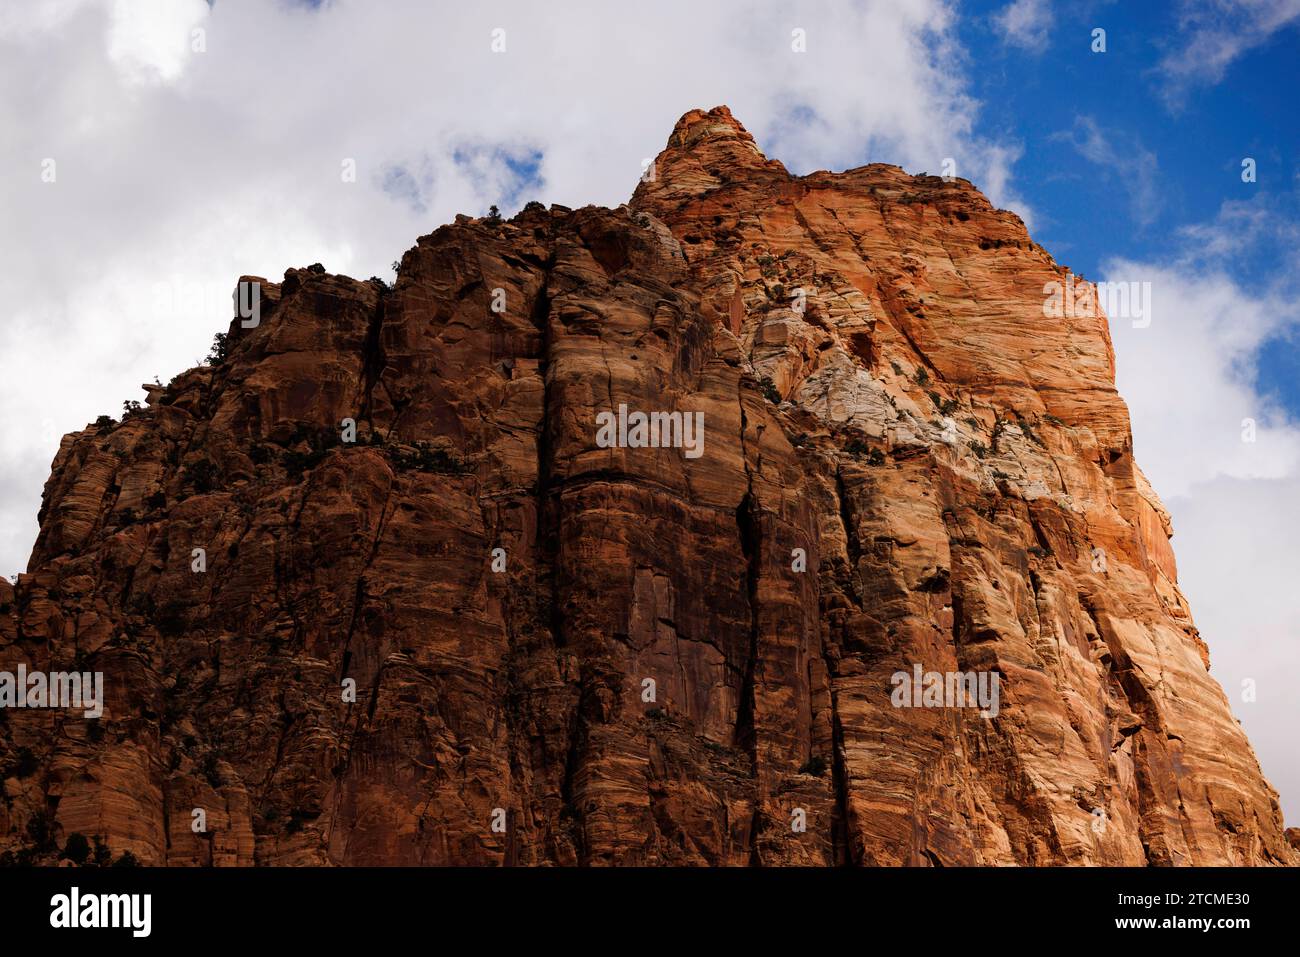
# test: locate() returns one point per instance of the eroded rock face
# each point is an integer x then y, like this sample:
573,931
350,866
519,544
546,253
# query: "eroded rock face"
883,398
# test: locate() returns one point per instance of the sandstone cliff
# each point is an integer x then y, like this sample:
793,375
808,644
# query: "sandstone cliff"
880,389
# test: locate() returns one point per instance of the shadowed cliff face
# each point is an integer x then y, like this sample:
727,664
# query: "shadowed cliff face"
482,634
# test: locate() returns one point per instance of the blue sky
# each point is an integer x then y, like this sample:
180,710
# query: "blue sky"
1177,157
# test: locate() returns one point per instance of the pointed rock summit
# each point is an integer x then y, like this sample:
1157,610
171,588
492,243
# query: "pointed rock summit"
706,150
630,537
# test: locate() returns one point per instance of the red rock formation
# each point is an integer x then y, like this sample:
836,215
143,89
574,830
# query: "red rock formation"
880,388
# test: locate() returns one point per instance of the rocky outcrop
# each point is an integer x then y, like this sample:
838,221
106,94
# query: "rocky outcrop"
476,632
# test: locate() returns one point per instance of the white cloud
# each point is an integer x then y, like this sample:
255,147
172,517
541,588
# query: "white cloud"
1189,382
1025,23
1134,167
152,40
1188,378
20,23
1213,34
1237,232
